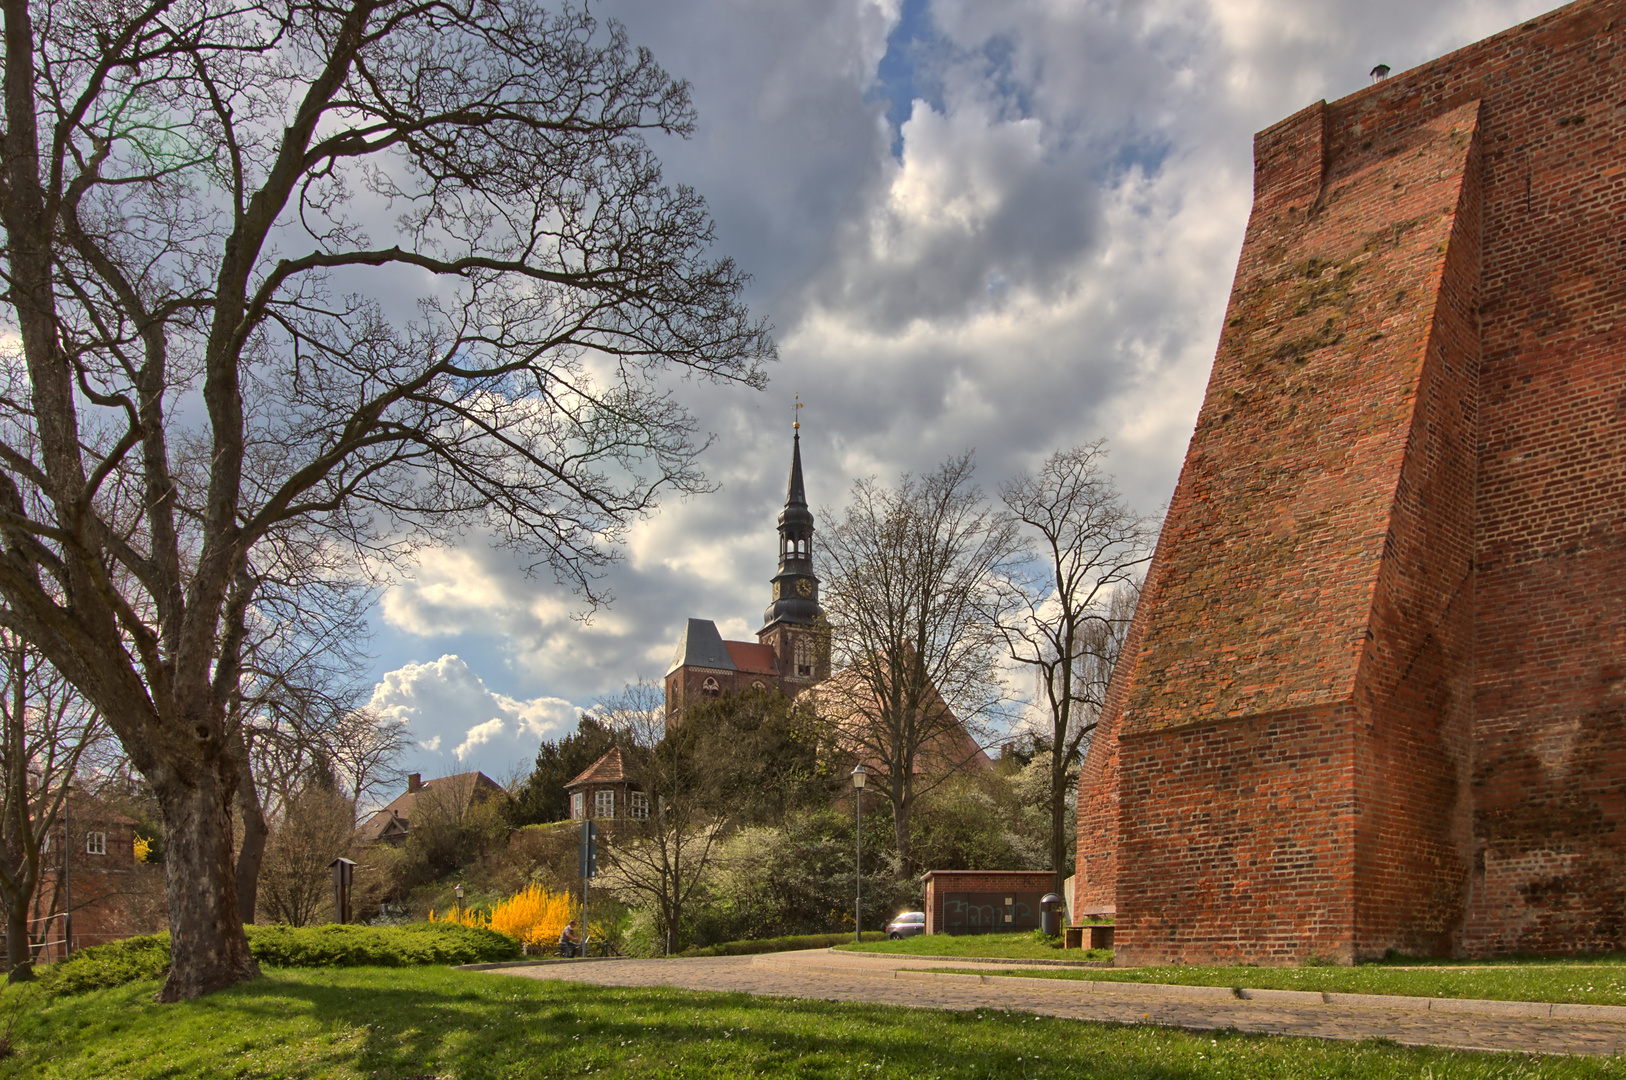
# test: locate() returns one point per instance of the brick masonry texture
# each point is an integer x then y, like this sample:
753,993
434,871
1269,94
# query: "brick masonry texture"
1375,694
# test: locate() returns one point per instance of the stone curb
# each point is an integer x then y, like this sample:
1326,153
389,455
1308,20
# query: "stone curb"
1006,962
499,965
1176,992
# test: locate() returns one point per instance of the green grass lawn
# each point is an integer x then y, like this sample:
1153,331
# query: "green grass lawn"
438,1024
1001,946
1585,983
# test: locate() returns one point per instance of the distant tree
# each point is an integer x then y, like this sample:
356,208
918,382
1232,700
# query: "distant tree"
760,753
455,820
912,608
210,213
541,796
46,730
1063,610
315,827
659,860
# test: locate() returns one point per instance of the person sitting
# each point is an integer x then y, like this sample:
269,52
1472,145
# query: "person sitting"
569,944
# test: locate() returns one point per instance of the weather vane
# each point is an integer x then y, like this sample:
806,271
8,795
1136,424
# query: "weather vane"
797,424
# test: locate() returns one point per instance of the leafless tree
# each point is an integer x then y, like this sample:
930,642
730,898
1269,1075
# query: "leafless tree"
48,730
1064,610
212,214
660,858
301,683
315,827
909,596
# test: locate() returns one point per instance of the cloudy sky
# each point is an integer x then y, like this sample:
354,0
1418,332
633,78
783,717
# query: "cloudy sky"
1001,224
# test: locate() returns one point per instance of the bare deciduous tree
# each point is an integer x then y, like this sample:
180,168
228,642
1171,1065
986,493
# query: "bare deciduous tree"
661,857
212,214
911,606
315,827
1064,610
47,730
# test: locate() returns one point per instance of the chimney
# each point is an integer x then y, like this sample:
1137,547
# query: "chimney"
414,782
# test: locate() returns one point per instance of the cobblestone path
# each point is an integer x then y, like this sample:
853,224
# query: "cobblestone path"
912,982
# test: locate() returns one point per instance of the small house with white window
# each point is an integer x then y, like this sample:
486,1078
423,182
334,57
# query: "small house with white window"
605,791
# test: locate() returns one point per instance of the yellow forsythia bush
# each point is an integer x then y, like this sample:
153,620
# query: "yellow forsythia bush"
533,915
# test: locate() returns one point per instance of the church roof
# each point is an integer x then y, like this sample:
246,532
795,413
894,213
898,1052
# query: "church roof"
796,511
702,646
608,769
752,657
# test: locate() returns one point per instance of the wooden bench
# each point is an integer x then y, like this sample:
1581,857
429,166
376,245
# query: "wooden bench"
1094,936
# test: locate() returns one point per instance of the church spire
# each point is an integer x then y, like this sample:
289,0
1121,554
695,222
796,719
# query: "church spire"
795,588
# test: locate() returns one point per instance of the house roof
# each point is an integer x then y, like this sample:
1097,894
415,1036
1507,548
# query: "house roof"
701,646
608,769
464,788
753,658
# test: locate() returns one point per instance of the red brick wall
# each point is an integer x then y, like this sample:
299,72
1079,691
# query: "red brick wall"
1238,841
1404,504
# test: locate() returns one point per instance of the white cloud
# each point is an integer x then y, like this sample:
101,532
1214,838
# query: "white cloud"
1039,256
443,701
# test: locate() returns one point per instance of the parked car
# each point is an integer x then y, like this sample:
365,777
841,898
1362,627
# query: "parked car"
907,924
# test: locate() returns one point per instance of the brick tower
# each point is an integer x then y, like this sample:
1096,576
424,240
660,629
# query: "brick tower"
1375,694
792,651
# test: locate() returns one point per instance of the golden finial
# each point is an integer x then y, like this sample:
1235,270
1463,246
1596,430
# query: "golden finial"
797,425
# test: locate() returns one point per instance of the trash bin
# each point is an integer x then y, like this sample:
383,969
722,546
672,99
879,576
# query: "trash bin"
1050,914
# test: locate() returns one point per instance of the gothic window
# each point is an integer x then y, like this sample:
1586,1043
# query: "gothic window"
578,806
710,688
637,805
96,843
804,657
604,803
758,685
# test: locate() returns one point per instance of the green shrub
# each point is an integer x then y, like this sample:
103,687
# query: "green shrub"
378,946
780,944
147,957
130,960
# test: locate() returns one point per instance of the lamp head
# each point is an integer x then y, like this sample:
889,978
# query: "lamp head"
860,774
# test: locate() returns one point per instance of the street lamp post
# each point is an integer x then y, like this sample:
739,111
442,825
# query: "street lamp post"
458,892
860,774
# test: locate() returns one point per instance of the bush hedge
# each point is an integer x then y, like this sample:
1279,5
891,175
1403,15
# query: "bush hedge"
779,944
290,946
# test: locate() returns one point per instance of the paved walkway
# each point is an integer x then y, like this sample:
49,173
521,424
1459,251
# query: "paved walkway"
913,982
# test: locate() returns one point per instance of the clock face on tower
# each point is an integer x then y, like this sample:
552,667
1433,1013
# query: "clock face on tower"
804,586
776,590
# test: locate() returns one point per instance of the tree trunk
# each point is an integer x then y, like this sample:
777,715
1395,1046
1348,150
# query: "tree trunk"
1058,825
900,835
208,949
19,957
252,854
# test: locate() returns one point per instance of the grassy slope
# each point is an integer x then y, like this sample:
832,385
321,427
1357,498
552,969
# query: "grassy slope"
1601,984
422,1023
1005,946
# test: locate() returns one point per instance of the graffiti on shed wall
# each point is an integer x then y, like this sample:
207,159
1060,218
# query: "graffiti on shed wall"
989,913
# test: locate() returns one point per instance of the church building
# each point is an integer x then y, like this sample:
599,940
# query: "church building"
791,652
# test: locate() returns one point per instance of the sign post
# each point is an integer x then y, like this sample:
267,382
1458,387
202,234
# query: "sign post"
587,864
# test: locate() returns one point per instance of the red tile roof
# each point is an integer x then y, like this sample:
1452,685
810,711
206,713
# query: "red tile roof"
751,657
606,770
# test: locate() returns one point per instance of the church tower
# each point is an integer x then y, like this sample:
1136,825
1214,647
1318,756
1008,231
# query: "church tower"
793,626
